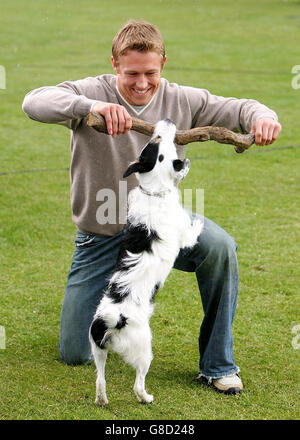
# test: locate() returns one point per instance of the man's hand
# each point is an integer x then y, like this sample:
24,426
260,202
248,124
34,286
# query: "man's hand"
266,131
117,119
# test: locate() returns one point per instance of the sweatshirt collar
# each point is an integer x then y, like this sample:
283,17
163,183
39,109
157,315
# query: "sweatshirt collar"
138,112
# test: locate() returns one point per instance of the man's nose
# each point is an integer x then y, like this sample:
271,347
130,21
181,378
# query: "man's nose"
142,82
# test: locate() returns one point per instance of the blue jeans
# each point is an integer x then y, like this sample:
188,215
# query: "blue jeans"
214,261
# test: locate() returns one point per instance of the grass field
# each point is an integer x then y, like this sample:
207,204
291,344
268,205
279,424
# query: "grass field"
232,48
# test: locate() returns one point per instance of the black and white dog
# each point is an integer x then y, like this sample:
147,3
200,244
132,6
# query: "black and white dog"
158,227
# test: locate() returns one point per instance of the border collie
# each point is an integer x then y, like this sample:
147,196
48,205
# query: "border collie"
157,228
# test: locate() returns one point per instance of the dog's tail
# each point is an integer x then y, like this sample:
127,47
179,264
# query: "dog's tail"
103,327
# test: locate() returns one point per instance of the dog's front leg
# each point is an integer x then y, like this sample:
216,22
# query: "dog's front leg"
192,233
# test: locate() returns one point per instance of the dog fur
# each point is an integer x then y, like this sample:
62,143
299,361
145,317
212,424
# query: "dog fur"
157,228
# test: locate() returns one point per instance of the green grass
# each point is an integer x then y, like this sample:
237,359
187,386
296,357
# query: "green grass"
243,49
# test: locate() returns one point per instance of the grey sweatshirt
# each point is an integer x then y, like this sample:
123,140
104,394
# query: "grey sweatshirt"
98,191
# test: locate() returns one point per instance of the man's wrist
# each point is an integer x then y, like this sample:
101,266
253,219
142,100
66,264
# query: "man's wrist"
93,104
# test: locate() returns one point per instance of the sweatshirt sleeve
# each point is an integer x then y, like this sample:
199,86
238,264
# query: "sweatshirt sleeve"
232,113
64,104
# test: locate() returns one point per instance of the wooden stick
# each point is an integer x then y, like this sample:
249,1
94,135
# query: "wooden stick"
199,134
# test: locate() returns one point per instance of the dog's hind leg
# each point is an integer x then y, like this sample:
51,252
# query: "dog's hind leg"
100,355
142,364
139,386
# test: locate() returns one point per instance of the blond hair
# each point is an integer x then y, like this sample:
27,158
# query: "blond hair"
140,36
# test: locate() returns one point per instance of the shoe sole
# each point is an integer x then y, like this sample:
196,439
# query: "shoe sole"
229,391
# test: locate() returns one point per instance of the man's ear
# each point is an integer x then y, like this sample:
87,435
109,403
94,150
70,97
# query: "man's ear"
114,64
133,168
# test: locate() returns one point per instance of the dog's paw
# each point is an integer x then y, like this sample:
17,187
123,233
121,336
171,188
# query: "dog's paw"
148,398
197,226
144,397
192,233
101,401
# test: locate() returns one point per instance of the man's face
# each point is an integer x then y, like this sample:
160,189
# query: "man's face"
138,75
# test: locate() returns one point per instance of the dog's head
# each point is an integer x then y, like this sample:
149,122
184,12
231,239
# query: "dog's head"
158,161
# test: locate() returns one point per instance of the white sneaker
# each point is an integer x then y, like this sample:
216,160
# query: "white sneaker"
228,384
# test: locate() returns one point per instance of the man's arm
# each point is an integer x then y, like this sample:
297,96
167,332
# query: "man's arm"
62,104
244,115
67,104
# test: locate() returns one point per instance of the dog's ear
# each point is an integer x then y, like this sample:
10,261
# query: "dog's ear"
147,159
133,168
149,155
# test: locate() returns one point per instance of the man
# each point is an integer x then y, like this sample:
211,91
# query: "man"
98,162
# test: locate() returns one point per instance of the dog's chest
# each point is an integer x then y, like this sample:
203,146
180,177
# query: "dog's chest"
164,217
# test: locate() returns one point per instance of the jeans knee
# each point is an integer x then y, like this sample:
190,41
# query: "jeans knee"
229,244
76,360
224,247
73,354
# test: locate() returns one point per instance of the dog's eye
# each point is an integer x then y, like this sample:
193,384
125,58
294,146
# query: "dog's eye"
161,157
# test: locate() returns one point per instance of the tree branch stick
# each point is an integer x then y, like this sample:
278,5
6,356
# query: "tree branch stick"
199,134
